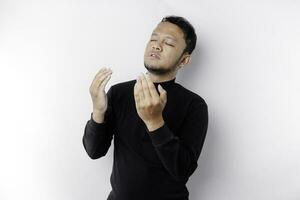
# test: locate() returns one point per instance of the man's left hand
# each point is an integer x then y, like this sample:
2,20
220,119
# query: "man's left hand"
149,104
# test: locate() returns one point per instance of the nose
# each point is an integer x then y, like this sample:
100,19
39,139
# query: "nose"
156,47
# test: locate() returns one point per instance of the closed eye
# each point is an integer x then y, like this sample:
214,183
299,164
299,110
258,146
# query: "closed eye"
166,43
169,44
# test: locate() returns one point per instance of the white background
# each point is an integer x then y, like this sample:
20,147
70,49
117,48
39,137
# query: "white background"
245,65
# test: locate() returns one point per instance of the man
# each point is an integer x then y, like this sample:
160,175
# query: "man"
158,126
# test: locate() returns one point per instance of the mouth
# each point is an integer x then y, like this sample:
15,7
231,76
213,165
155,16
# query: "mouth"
154,56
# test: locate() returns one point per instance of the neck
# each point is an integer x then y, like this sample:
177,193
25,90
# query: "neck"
161,78
165,82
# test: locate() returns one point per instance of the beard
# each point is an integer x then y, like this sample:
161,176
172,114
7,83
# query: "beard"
161,71
157,70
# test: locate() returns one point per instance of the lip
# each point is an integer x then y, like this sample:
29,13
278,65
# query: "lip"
155,55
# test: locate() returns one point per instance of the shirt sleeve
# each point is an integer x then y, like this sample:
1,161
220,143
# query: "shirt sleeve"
97,137
179,154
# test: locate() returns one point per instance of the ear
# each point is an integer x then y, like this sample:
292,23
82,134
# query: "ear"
186,60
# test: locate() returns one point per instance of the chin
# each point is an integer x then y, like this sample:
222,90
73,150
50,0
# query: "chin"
152,64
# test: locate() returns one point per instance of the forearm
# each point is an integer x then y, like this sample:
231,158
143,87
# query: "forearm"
97,138
179,160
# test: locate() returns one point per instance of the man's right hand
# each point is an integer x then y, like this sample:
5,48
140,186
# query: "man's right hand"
97,91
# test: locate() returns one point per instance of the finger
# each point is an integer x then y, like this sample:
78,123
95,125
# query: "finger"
105,70
136,95
163,94
140,89
135,92
101,70
107,77
101,78
96,76
151,87
145,88
104,82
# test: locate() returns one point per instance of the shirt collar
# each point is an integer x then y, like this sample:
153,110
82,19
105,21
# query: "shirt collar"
165,84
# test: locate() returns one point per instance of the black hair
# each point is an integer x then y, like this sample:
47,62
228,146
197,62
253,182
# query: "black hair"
188,30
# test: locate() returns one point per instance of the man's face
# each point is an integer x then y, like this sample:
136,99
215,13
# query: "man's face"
167,41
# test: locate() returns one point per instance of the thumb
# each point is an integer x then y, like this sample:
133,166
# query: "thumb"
162,92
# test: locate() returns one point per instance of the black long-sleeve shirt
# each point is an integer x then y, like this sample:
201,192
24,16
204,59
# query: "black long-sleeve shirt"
149,165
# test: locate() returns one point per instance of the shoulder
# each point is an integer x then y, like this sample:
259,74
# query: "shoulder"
194,98
197,108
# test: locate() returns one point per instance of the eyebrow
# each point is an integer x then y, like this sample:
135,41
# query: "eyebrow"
167,36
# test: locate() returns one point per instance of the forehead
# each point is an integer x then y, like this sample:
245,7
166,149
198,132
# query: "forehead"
168,29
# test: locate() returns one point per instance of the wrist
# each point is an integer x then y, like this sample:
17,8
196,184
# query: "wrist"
155,124
98,117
